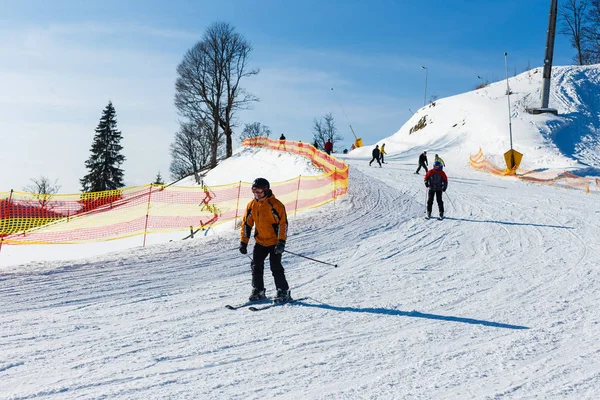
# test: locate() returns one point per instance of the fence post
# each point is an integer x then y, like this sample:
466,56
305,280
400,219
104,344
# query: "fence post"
334,186
297,194
191,231
147,213
237,205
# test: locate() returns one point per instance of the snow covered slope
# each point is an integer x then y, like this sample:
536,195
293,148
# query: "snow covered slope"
456,127
498,301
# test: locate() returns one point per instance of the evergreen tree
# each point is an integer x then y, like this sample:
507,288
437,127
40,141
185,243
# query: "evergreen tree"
159,180
103,164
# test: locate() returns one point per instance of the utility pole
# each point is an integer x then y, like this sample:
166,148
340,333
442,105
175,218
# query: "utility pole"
508,97
512,157
549,54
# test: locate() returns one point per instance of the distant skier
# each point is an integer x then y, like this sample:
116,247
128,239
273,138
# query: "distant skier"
269,218
422,162
328,147
382,152
437,182
282,142
375,153
439,159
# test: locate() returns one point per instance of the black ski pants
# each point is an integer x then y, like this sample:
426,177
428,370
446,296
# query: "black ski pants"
421,165
438,196
259,256
375,158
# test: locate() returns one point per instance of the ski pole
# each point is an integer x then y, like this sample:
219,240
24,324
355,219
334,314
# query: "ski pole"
448,197
312,259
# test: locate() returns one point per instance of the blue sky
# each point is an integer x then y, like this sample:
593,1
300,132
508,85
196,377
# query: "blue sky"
62,61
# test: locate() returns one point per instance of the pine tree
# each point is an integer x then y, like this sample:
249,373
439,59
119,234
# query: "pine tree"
103,164
159,180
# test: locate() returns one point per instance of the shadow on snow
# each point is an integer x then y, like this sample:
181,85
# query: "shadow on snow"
414,314
510,223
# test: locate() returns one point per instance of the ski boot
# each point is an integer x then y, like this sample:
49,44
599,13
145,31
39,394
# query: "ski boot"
257,295
283,296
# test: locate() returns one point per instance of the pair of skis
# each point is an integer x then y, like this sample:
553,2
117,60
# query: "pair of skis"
262,305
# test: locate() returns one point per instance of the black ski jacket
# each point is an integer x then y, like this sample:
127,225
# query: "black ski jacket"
436,179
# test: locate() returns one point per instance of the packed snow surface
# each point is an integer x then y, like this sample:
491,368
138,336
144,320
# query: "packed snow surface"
497,301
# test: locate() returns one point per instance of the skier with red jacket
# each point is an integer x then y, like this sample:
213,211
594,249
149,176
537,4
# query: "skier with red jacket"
328,147
437,182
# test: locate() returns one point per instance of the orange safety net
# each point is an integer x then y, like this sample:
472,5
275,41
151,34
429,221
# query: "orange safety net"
26,218
561,179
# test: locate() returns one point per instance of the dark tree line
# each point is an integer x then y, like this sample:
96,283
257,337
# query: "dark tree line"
580,22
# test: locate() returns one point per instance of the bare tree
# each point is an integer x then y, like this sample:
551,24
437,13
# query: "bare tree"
43,189
198,95
207,88
572,14
591,33
191,150
324,129
255,129
236,51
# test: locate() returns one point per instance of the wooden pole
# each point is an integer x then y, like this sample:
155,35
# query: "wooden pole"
297,195
147,213
237,205
334,186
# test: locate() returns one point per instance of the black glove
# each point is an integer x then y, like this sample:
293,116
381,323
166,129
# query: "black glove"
243,248
426,184
280,247
444,189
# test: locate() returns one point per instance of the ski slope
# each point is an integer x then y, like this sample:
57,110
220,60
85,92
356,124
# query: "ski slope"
498,301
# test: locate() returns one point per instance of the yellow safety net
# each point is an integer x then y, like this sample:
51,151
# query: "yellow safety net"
27,218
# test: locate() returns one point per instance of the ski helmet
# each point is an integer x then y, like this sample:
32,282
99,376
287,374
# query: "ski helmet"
437,165
261,183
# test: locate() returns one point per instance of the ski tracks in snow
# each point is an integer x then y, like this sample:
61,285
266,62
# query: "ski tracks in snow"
416,309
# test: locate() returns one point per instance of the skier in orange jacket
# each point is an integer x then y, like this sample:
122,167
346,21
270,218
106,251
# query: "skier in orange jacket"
268,217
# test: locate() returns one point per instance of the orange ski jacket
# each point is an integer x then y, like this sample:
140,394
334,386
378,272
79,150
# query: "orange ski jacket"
269,219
